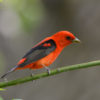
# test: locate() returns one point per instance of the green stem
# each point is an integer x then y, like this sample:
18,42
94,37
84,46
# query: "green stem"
52,72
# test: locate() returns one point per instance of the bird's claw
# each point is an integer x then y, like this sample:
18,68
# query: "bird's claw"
48,70
32,76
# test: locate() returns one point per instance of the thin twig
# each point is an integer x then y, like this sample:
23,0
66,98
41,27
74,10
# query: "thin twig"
52,72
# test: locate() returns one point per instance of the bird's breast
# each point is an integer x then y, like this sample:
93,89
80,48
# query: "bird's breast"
49,59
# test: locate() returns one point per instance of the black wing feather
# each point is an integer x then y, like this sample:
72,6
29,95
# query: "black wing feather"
39,52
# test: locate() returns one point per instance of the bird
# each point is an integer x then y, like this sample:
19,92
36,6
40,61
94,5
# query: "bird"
45,52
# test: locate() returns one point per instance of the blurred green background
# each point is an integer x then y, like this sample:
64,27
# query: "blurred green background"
23,23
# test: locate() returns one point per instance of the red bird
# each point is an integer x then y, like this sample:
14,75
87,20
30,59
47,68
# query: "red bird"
45,53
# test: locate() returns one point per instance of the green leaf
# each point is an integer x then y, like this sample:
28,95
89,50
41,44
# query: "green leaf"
1,89
1,0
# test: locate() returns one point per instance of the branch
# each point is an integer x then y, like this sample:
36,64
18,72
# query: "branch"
52,72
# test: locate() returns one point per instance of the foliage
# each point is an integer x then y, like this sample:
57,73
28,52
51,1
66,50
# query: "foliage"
1,0
29,11
1,89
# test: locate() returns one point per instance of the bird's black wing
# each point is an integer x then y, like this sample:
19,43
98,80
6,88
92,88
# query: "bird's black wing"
39,52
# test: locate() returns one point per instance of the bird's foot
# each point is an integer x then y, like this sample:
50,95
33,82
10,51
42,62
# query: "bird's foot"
32,75
48,70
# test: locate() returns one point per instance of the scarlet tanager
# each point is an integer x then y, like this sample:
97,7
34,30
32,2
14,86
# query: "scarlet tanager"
45,53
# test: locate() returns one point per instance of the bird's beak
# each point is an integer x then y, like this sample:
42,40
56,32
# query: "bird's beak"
76,40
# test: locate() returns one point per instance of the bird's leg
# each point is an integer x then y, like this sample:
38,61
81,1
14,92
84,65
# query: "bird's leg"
31,73
48,69
32,76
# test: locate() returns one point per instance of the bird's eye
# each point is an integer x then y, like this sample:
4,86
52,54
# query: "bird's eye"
68,38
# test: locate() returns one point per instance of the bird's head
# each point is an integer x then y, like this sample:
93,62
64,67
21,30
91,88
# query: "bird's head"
64,38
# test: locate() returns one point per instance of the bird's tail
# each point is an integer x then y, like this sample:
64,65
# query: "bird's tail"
13,69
